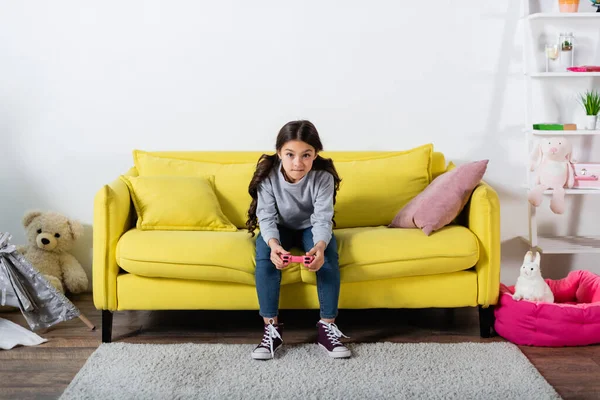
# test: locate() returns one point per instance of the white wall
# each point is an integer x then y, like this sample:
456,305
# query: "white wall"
83,85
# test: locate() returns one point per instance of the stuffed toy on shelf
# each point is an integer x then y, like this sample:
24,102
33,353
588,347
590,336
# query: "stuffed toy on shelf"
552,161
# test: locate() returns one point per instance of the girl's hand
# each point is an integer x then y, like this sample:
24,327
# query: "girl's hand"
319,253
276,252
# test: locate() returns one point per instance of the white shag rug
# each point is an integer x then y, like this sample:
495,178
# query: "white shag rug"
376,371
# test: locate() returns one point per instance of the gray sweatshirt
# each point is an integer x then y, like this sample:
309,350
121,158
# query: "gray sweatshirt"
308,202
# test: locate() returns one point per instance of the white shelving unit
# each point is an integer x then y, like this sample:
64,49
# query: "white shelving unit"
572,191
567,74
569,244
534,71
555,15
579,132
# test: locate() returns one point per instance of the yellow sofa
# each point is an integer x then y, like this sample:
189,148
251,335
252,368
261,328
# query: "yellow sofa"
380,267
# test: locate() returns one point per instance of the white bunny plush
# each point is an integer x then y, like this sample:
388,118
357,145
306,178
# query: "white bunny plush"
530,284
554,164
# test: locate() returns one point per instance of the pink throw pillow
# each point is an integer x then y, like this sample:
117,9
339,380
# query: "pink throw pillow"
442,200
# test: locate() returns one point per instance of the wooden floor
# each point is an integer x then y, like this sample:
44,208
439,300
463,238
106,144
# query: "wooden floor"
45,371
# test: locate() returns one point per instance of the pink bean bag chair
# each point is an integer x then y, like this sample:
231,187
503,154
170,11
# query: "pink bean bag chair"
572,320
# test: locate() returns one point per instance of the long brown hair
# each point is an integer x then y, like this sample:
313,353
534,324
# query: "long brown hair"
295,130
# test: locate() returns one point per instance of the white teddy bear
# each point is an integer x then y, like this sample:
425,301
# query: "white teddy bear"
50,237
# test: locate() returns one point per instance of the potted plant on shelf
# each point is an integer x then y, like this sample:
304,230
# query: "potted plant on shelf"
590,100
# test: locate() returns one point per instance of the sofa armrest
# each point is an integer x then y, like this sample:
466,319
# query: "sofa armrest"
482,214
113,216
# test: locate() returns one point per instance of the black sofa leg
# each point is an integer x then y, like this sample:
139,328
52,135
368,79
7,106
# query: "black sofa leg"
486,321
107,320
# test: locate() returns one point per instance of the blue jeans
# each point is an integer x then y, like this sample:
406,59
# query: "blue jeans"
268,278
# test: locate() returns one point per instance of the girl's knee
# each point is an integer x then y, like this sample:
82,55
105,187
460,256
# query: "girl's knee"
263,252
331,264
331,256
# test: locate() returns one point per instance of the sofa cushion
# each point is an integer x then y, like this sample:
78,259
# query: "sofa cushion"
176,203
441,202
366,254
231,179
204,255
374,253
373,190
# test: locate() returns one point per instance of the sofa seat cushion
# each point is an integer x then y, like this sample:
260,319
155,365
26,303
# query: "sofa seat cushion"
372,253
365,254
202,255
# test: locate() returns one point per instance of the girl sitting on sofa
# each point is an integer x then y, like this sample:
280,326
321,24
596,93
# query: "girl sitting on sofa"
293,194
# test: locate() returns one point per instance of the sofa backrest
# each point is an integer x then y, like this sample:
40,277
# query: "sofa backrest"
370,193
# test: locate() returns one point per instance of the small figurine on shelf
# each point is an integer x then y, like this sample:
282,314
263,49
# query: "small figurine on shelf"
596,3
552,161
566,43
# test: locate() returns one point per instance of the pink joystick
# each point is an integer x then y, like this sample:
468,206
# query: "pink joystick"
288,258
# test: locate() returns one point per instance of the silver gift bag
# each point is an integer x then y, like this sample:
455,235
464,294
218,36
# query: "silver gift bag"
23,286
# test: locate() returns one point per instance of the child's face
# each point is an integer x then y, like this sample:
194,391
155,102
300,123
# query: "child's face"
297,158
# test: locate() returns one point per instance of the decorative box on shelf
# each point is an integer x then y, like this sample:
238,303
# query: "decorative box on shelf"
555,127
587,175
